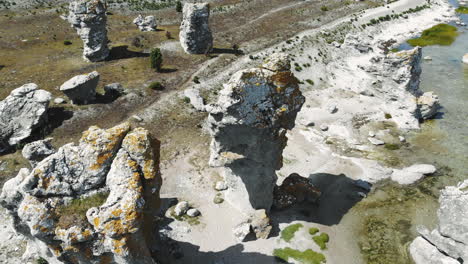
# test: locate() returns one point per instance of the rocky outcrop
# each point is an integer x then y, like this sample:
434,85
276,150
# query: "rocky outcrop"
36,151
428,105
145,23
448,243
81,89
94,202
89,19
195,34
21,113
248,126
295,189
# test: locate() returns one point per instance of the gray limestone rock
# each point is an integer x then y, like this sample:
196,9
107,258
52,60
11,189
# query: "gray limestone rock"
412,174
248,126
428,105
36,151
424,252
116,167
21,113
145,23
181,208
89,19
195,34
81,89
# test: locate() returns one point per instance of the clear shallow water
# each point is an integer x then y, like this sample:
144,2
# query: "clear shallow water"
390,214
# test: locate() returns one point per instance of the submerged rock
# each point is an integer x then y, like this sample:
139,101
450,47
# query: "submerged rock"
81,89
145,24
21,113
195,34
113,172
89,19
448,243
248,126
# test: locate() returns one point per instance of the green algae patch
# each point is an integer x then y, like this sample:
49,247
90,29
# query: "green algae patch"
305,257
321,240
313,230
462,10
288,233
442,34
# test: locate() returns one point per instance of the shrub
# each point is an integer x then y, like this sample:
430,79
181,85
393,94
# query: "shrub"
324,8
156,86
196,79
186,100
41,260
388,116
156,59
67,42
309,81
178,6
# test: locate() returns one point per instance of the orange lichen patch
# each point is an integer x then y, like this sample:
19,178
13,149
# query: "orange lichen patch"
96,221
86,233
117,212
100,160
120,246
149,171
284,79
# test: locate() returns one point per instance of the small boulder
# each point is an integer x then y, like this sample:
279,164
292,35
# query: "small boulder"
193,212
36,151
412,174
81,89
241,231
221,186
59,100
323,127
428,105
145,23
181,208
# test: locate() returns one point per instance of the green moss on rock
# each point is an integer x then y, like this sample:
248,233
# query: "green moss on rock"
321,240
305,257
288,233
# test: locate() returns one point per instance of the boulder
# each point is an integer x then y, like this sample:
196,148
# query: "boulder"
89,19
295,189
21,113
113,172
195,34
36,151
248,126
114,90
193,212
181,208
448,243
145,23
428,105
413,173
81,89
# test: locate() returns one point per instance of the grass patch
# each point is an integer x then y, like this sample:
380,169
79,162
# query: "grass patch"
391,146
462,10
74,214
305,257
156,86
442,34
288,233
321,240
388,116
313,230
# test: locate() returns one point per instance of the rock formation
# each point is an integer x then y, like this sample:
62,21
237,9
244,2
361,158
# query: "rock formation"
448,243
21,113
248,126
145,23
94,202
36,151
428,105
89,19
195,34
81,89
295,189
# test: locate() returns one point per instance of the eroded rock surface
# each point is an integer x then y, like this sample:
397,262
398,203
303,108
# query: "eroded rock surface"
81,89
195,34
89,19
145,23
94,202
248,125
295,189
36,151
448,243
21,113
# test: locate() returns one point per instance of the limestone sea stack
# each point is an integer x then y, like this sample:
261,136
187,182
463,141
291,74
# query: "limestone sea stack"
94,202
195,34
248,126
89,19
448,243
22,113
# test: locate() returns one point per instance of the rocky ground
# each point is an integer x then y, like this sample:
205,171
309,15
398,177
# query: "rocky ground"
333,143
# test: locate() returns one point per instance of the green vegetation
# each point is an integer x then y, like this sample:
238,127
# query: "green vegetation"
186,100
288,233
185,218
75,212
321,240
156,59
306,257
391,146
324,8
178,6
395,16
156,86
388,116
41,260
218,198
309,81
196,79
442,34
462,9
313,230
67,42
394,50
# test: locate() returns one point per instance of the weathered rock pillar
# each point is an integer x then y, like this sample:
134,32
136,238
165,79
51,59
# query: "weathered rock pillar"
89,19
248,125
195,34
